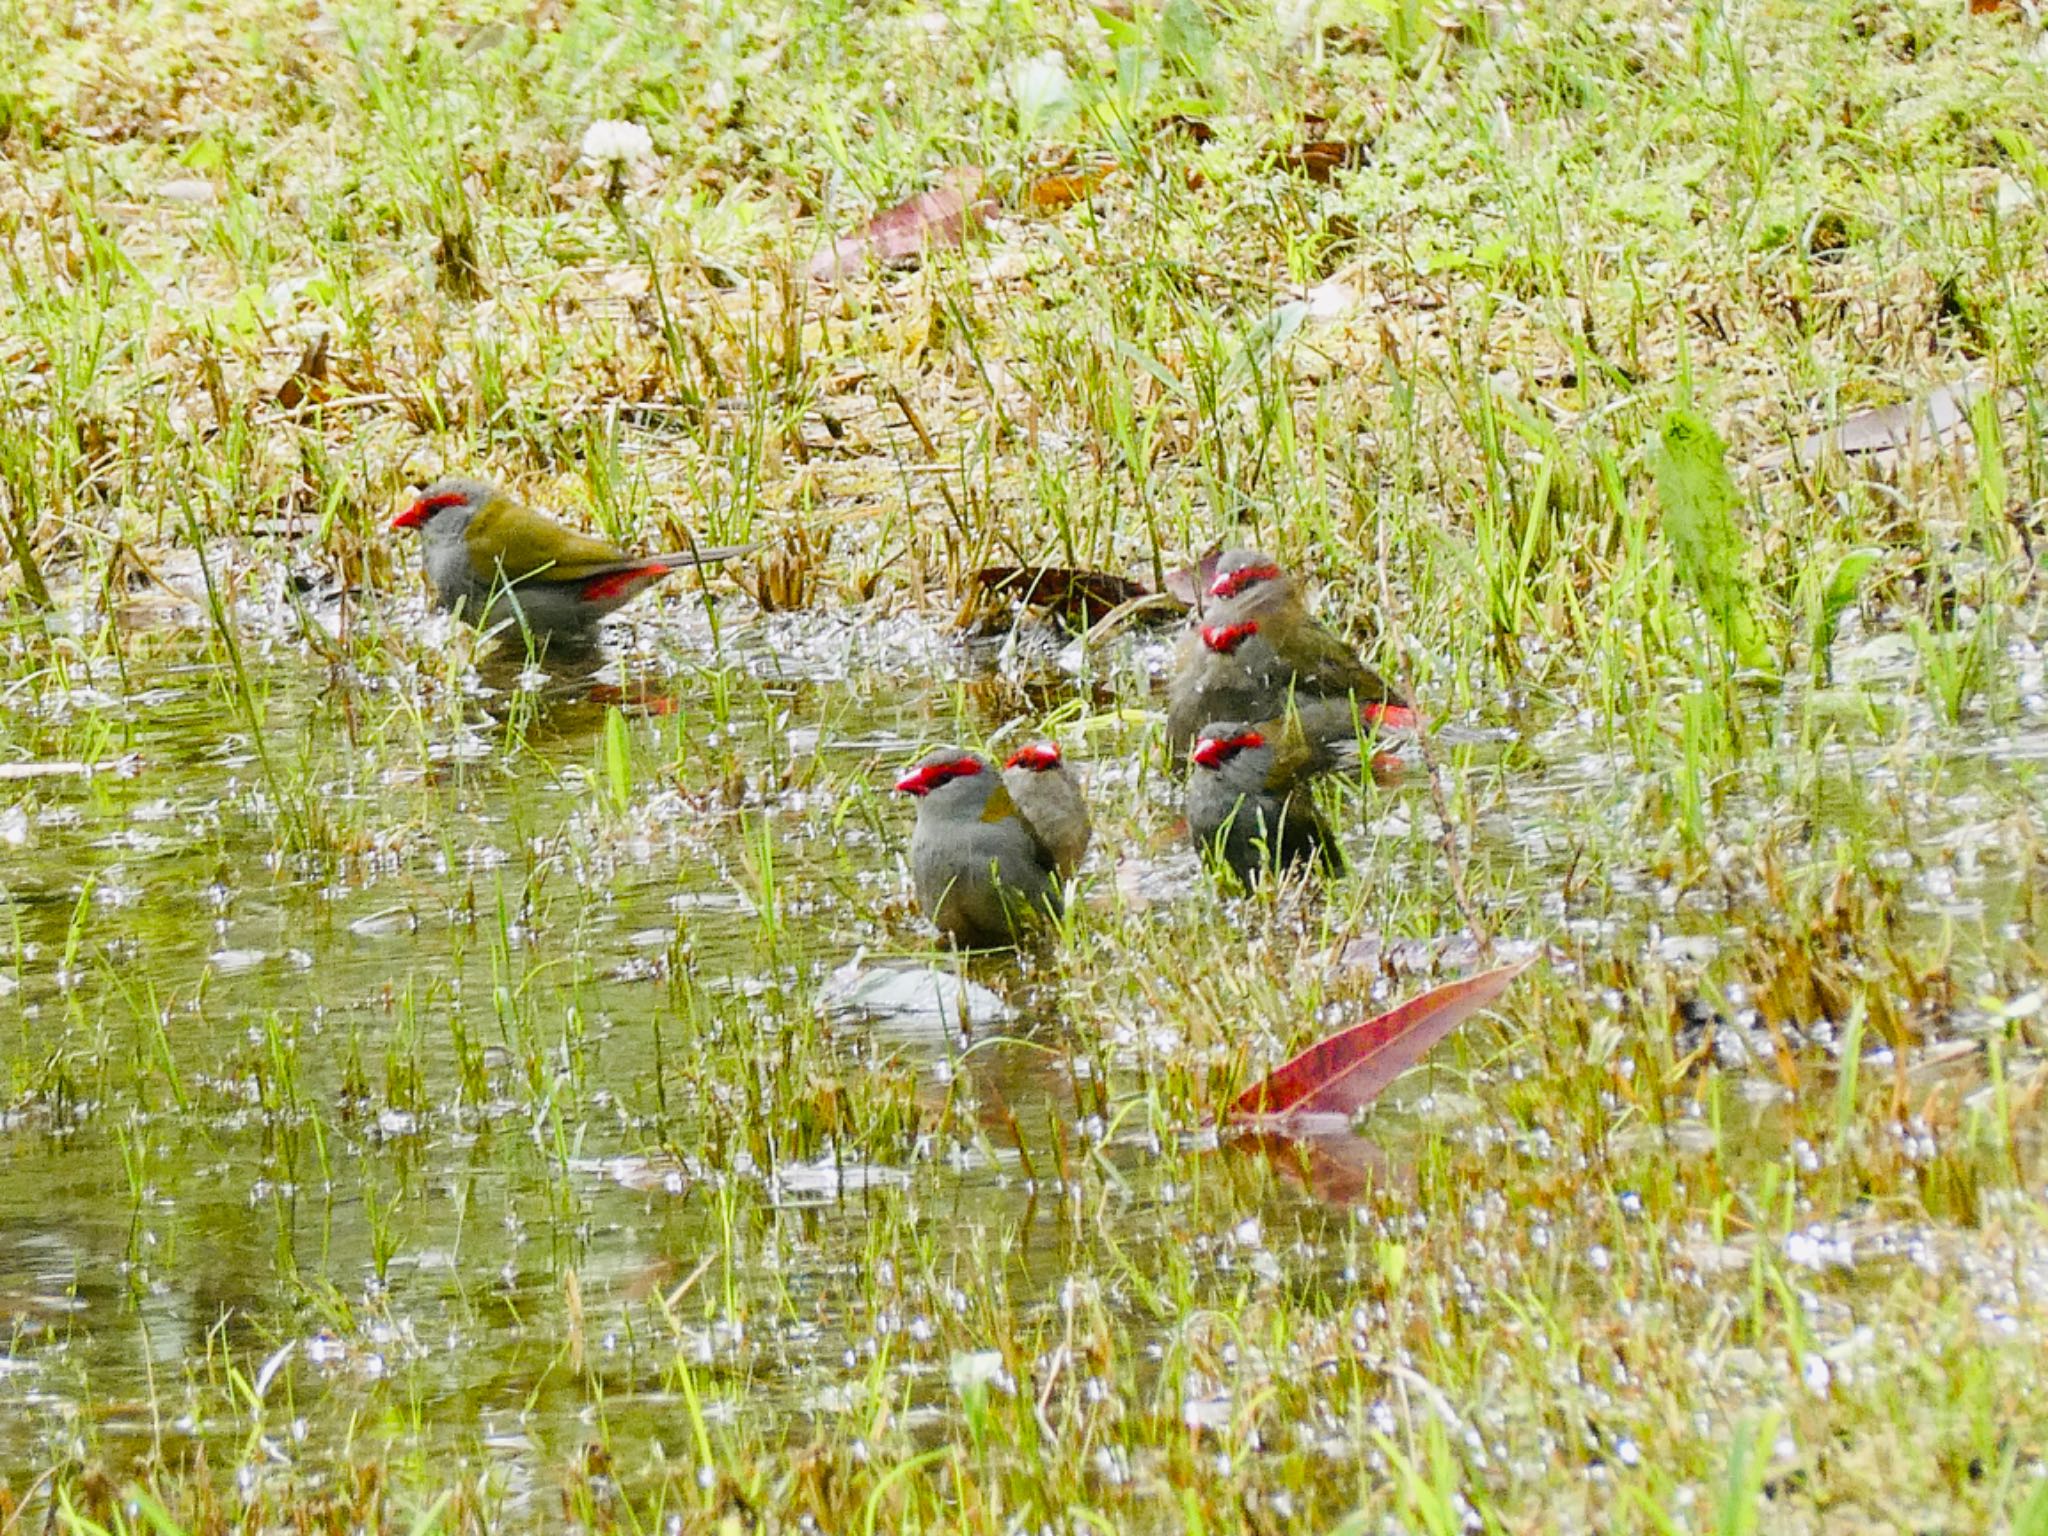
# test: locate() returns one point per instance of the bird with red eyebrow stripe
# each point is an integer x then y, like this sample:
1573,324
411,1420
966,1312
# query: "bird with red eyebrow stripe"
1256,653
1049,797
489,558
1250,805
983,874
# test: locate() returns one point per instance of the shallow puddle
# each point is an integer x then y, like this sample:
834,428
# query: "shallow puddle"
555,1091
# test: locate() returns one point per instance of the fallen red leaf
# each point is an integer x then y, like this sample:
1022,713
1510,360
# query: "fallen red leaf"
1347,1071
936,218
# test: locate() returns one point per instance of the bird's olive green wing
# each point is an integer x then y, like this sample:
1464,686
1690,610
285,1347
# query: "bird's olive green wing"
1325,664
506,536
1297,757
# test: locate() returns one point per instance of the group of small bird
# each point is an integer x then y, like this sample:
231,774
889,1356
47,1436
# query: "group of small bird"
1262,700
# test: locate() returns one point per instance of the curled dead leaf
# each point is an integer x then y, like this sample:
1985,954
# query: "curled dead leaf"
1193,128
309,379
1087,595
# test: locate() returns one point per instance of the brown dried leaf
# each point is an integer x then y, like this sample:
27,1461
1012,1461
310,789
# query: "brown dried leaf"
1050,194
1072,593
1193,127
309,378
1322,159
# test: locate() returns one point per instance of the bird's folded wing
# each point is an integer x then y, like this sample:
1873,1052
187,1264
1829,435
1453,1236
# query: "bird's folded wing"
1300,755
1325,664
518,541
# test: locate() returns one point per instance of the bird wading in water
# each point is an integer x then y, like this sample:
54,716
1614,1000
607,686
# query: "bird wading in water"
983,875
490,558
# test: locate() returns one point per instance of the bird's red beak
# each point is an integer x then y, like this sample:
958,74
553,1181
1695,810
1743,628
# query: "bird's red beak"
1038,757
923,781
1225,638
417,514
1215,751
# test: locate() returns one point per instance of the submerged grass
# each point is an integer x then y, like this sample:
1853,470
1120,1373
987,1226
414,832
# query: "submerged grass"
446,1094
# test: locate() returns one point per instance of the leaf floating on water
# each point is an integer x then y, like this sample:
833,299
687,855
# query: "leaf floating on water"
936,218
1344,1073
657,1174
909,995
1699,499
636,699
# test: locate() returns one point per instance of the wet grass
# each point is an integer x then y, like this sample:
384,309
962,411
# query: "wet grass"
446,1095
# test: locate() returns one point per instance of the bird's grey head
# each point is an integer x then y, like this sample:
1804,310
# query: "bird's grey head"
1231,748
949,779
1242,570
1039,757
443,510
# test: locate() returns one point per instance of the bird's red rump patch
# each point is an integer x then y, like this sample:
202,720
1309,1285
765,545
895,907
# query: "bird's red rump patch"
1215,751
1233,582
1225,638
1038,757
923,781
1395,717
426,507
598,588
